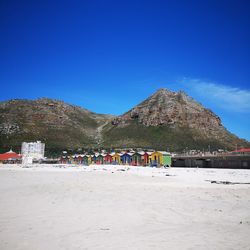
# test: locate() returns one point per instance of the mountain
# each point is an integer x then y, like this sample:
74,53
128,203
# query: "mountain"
170,120
166,120
60,125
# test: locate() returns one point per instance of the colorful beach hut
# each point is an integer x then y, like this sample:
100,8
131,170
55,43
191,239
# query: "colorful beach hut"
155,159
116,158
107,159
126,158
85,160
71,159
99,159
137,159
146,158
93,158
166,158
89,159
160,158
78,159
64,159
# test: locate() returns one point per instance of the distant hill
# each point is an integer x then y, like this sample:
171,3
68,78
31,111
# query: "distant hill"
60,125
166,120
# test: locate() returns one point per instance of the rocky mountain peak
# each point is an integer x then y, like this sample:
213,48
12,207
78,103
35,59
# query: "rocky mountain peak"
172,109
162,91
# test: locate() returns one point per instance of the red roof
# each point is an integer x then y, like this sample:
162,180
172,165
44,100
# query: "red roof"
242,150
9,155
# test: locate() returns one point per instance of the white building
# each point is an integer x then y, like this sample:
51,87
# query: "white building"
32,151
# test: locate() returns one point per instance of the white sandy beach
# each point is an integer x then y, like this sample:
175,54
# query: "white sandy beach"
105,207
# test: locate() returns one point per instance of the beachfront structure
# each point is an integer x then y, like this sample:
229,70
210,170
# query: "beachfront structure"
107,158
116,158
74,159
71,159
242,151
93,158
65,159
10,157
126,158
90,159
160,158
85,160
99,159
156,159
32,151
147,158
140,158
78,159
166,158
137,159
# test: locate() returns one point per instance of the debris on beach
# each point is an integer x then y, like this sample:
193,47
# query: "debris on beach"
228,182
170,175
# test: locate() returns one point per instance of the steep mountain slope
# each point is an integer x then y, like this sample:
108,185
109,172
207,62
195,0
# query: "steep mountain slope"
170,120
58,124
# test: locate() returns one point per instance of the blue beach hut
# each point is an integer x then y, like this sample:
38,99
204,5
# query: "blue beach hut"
126,158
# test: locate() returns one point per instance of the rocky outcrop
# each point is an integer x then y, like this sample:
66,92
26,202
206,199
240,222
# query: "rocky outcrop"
170,108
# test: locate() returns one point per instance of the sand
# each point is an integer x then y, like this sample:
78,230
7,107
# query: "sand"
105,207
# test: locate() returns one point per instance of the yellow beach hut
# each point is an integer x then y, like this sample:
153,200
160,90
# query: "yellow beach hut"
160,158
90,159
156,159
116,158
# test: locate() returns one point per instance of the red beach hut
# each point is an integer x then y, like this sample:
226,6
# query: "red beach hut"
108,159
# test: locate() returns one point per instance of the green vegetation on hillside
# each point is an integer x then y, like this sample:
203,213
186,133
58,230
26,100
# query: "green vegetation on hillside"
159,138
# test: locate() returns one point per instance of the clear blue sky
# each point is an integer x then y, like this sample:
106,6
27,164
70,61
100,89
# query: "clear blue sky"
108,56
